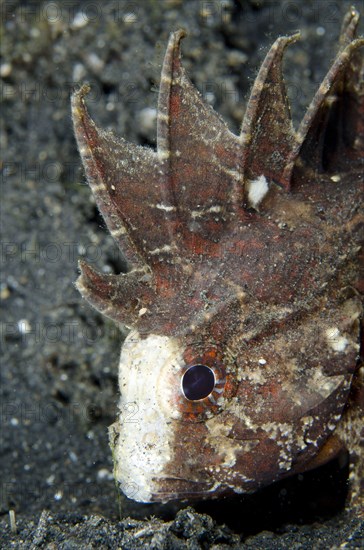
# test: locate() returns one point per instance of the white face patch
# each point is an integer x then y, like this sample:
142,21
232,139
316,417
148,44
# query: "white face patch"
257,189
145,425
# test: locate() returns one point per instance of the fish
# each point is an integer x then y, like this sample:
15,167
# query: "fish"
242,293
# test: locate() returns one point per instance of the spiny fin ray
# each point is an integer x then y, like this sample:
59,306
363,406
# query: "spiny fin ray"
267,133
114,171
325,116
119,297
190,129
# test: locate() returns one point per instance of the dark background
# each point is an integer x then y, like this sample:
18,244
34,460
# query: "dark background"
59,357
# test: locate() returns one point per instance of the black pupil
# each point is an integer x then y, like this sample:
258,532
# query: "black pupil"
198,382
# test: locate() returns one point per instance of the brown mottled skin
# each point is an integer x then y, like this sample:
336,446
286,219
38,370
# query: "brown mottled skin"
267,292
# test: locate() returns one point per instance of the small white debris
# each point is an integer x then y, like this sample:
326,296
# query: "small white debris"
335,178
147,119
80,20
95,62
73,456
103,474
130,18
257,189
164,248
209,97
24,326
142,311
165,207
164,154
216,208
5,69
234,58
4,292
50,479
12,520
336,340
262,361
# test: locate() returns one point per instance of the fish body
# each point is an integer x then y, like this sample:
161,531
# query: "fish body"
243,292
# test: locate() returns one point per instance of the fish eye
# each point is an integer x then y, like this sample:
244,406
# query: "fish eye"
197,382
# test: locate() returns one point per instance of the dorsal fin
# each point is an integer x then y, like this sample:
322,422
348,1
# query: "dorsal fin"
202,156
119,297
125,180
267,133
336,113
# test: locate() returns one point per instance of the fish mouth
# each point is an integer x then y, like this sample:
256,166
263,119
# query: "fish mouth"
177,488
